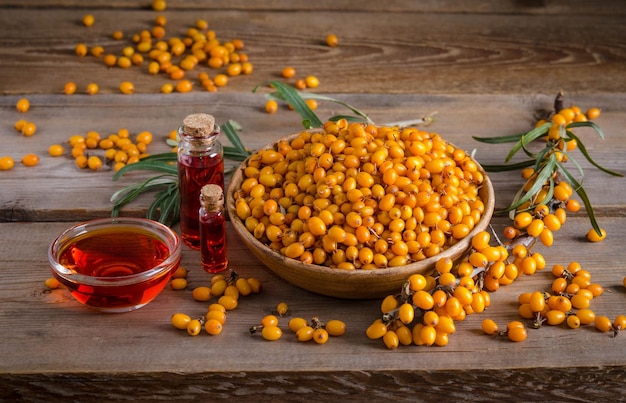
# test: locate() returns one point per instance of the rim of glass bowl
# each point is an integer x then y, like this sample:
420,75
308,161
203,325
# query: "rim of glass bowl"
164,233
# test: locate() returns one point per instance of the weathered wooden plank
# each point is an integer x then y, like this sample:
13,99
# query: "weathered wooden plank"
57,190
560,7
554,384
50,334
422,53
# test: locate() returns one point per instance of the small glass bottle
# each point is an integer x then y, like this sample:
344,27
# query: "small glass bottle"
212,222
200,162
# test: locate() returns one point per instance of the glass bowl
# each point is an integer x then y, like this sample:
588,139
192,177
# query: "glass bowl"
116,264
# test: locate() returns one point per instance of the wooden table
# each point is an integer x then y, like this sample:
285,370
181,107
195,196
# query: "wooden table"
485,68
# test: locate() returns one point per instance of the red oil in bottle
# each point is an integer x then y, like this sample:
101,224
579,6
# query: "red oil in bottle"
193,173
212,229
200,162
110,255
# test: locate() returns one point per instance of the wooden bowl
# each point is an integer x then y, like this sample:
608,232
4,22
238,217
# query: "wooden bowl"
348,284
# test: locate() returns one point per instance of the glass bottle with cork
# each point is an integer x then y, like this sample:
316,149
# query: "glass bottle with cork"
212,220
200,162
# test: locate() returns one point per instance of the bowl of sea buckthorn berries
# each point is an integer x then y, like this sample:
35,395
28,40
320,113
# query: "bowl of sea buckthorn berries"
352,210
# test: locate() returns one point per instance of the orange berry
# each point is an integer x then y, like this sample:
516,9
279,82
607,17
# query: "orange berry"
289,72
331,40
69,88
126,87
22,105
30,160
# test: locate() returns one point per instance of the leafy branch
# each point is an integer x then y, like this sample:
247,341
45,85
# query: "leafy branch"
548,163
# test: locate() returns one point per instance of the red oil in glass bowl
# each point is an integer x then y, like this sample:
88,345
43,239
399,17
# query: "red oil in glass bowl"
115,264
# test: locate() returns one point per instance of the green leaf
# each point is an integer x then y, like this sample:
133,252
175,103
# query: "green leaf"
542,177
527,138
584,152
293,98
309,95
500,139
148,165
583,196
508,167
587,124
230,130
131,192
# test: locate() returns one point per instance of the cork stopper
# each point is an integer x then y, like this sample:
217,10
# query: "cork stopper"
199,125
212,197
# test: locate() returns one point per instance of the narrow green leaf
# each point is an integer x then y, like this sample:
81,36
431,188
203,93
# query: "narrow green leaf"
230,130
508,167
169,156
500,139
583,196
584,152
542,177
587,124
349,118
293,98
131,192
311,95
152,165
528,138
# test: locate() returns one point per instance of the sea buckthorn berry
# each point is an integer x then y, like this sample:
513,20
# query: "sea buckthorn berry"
92,88
218,315
220,80
320,336
184,86
180,320
619,323
335,327
52,283
81,50
181,272
94,163
331,40
406,313
29,128
30,160
555,317
391,340
213,327
178,283
522,220
88,20
517,334
126,87
593,113
586,316
376,330
22,105
271,106
603,323
288,72
159,5
271,333
593,236
194,327
201,293
489,326
228,302
81,161
312,82
305,333
428,335
573,321
296,324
